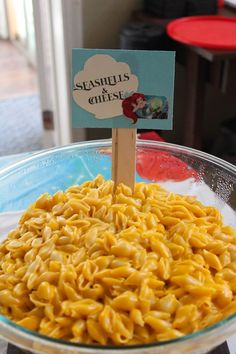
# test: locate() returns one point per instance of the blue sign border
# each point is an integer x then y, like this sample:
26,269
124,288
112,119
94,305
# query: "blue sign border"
155,71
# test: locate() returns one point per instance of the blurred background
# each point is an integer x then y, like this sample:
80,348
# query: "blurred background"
36,39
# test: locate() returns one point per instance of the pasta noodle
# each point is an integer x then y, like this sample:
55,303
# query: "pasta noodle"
94,265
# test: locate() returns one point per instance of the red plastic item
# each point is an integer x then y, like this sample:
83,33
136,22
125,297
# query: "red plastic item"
150,136
162,166
216,32
220,3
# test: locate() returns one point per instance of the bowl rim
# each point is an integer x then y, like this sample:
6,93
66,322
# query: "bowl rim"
104,143
108,143
46,340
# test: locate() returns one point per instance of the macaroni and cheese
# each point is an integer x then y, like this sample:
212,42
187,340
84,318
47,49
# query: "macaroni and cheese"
98,265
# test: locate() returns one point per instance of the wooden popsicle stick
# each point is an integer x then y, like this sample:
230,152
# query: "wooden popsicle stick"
124,156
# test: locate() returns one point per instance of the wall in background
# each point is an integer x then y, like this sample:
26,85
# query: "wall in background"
3,20
98,26
103,20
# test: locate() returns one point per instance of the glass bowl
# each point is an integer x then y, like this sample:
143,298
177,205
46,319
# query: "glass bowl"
180,169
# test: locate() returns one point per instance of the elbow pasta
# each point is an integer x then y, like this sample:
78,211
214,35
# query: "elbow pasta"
94,265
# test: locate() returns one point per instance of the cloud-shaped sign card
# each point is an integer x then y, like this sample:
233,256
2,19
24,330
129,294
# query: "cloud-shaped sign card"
122,89
102,84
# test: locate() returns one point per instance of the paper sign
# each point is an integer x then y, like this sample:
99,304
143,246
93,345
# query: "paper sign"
122,89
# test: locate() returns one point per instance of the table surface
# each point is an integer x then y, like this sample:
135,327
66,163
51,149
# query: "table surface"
202,65
208,54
